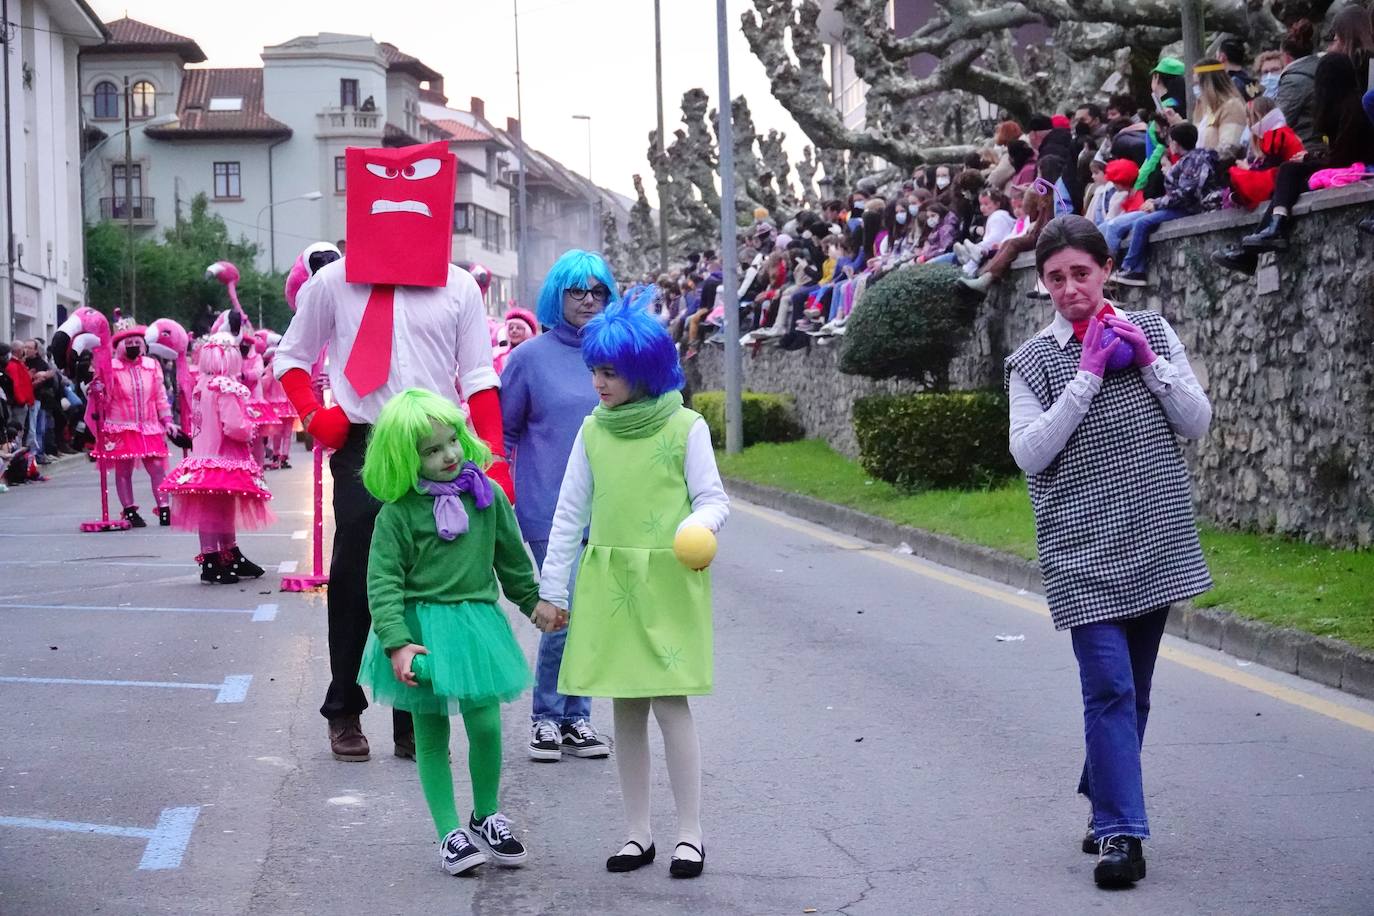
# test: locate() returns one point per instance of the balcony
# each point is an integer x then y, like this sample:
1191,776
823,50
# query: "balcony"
118,208
349,122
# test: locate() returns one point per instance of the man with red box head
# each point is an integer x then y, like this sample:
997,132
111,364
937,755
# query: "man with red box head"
395,314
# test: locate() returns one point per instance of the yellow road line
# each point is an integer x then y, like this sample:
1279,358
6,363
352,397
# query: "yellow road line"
1036,605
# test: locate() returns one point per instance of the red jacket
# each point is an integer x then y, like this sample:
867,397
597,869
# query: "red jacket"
23,385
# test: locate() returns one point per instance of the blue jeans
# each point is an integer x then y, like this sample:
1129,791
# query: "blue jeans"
948,257
1140,238
1116,229
1116,663
548,702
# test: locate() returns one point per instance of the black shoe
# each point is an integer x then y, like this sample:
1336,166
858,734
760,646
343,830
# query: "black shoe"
1090,844
493,831
1120,863
243,567
457,853
215,571
1273,236
1237,258
164,516
686,868
131,516
623,862
545,744
1131,278
581,740
405,746
1366,225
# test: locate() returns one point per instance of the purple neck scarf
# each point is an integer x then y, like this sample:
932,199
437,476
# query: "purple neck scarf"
450,519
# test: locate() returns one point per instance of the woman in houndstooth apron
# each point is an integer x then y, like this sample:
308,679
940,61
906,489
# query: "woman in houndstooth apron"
1099,400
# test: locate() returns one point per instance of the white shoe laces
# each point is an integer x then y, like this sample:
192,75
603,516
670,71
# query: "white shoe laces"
584,730
497,824
544,730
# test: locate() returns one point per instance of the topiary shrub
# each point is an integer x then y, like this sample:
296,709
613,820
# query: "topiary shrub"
927,441
909,325
767,417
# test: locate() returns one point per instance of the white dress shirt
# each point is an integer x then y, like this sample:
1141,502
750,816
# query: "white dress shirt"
710,508
439,334
1038,435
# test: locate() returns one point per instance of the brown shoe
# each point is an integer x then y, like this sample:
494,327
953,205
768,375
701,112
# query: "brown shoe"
347,741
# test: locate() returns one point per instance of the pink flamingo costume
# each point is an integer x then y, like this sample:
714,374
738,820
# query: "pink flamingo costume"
136,416
219,489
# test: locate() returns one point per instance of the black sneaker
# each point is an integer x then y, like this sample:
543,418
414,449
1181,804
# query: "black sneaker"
544,741
581,740
215,571
133,518
459,854
494,832
164,516
1130,278
243,567
1120,863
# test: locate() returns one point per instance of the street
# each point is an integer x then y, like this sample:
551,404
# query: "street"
872,747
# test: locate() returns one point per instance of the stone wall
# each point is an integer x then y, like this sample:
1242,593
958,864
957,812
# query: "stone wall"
1287,357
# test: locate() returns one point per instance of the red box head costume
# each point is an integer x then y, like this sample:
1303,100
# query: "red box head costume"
400,214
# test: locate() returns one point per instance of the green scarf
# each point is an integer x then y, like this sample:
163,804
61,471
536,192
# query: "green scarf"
638,419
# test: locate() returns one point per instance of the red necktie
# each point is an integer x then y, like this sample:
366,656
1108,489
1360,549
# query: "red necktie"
369,361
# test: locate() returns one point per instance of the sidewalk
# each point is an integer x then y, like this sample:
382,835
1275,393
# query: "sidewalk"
1326,661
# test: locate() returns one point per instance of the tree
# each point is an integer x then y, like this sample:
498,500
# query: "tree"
642,258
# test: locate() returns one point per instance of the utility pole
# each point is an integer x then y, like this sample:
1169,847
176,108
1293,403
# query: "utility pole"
662,185
729,258
9,176
129,202
1192,45
522,262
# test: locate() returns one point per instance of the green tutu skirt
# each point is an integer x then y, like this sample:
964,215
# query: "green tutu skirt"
473,660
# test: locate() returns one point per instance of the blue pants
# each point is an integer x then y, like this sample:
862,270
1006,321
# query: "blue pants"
1116,663
1116,229
548,702
1140,238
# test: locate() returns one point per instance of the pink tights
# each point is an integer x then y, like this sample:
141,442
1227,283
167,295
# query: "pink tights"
216,541
124,479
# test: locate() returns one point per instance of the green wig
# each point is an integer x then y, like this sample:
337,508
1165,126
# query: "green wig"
391,467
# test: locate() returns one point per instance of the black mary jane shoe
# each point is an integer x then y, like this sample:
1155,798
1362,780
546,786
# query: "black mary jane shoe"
686,868
620,862
1121,862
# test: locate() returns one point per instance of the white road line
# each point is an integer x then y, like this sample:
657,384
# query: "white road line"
286,566
233,690
166,842
258,614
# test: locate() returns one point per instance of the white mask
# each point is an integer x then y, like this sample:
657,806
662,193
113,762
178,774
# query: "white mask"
912,209
932,221
901,217
941,182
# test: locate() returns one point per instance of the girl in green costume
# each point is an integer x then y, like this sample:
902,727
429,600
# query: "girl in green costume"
641,470
439,644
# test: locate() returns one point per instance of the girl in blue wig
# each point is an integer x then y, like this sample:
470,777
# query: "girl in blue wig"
642,632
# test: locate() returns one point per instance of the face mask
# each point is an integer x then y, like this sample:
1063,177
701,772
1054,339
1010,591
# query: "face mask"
912,209
131,352
1197,91
941,182
932,221
901,217
1270,82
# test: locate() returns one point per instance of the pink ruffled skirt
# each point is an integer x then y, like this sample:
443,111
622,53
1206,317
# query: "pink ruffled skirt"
130,443
218,494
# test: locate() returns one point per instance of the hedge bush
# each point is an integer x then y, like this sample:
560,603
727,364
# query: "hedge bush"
932,441
909,325
767,417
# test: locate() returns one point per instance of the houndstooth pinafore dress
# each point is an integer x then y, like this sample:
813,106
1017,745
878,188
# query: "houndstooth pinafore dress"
1114,524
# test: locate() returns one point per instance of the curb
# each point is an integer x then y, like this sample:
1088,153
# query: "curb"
1316,658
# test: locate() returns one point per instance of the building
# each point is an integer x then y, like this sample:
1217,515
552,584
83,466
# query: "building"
44,260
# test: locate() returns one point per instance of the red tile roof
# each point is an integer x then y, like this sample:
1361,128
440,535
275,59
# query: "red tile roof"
129,36
198,122
396,59
462,133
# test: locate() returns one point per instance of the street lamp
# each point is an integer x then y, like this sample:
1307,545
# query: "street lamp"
272,232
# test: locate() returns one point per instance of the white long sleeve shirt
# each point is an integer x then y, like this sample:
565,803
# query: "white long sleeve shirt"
710,508
439,334
1038,435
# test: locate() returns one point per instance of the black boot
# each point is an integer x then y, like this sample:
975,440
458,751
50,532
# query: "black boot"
1273,236
242,567
131,516
164,516
214,571
1237,258
1121,862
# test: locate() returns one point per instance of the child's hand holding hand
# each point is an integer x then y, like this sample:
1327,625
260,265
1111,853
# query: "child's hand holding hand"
549,617
400,662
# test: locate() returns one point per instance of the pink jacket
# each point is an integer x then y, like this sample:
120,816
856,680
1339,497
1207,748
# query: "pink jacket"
137,401
223,428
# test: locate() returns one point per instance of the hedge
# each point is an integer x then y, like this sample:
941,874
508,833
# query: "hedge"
936,440
767,417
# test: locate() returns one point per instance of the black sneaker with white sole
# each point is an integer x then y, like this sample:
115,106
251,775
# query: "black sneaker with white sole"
459,854
494,832
581,740
544,741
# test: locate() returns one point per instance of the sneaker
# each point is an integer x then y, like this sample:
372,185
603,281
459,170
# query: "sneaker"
1120,863
164,516
494,832
459,854
1129,278
133,518
581,740
544,741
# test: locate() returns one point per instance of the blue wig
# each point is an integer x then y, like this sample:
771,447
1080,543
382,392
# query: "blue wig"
637,346
571,272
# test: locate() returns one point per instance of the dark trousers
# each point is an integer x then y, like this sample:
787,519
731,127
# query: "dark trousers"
355,514
1289,184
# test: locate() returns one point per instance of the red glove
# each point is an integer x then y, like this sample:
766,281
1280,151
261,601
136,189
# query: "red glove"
329,424
485,410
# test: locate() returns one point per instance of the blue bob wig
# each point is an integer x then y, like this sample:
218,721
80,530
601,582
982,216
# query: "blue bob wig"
637,346
571,272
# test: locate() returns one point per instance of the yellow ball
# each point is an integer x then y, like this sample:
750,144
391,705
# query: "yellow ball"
695,547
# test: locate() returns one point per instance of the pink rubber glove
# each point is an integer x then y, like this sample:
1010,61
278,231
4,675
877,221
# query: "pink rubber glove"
1129,333
1095,352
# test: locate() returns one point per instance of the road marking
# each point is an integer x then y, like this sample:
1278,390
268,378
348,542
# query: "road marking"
233,690
259,614
265,612
96,562
300,534
166,842
1036,605
152,531
286,566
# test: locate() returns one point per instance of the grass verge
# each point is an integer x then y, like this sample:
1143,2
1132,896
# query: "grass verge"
1305,586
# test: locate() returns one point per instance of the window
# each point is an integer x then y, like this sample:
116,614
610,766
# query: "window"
462,219
227,180
226,103
106,100
348,93
340,175
143,100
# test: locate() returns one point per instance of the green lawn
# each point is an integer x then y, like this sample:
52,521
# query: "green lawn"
1309,587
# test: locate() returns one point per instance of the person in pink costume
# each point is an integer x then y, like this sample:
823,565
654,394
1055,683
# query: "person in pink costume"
168,341
219,491
279,443
135,418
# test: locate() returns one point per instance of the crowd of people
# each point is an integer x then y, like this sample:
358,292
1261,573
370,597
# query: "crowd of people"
40,411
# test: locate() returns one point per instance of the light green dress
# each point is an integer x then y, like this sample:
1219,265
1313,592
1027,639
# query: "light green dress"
643,621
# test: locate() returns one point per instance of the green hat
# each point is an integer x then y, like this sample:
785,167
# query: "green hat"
1169,66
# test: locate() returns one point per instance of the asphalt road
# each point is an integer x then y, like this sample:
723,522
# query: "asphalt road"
871,748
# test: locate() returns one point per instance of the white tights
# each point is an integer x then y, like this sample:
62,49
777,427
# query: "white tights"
683,752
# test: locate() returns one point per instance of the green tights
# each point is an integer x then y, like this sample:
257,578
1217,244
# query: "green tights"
483,725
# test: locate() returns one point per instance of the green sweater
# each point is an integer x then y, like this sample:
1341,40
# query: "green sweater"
409,563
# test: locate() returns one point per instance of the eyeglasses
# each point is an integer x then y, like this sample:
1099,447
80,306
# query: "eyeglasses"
600,294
